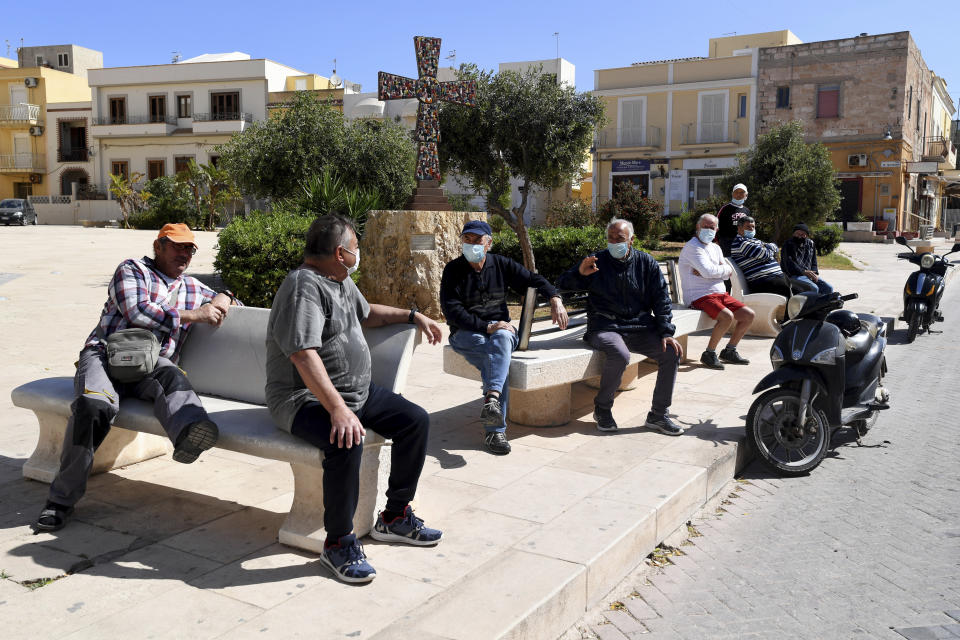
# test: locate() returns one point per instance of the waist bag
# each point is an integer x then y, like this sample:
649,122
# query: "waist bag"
131,354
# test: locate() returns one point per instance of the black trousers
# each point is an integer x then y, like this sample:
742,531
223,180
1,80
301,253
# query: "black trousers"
776,284
390,415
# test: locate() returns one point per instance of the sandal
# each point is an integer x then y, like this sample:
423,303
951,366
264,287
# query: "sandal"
53,517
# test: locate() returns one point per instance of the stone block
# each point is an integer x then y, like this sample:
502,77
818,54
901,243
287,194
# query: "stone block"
404,253
547,407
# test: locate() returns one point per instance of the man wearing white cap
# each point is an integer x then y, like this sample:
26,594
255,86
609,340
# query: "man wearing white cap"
729,214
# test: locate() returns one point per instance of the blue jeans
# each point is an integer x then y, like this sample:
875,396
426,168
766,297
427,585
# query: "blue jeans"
820,284
490,353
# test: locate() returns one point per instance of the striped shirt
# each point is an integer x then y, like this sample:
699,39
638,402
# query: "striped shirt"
756,259
143,297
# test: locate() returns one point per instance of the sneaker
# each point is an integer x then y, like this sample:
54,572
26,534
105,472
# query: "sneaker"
730,355
496,443
709,359
664,425
347,560
604,419
492,414
407,528
194,440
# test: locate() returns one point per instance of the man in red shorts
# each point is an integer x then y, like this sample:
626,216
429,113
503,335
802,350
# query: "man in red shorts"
702,272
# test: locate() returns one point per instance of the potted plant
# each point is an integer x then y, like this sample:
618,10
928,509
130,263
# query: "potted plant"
860,224
834,220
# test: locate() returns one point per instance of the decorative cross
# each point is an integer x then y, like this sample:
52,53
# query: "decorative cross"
429,91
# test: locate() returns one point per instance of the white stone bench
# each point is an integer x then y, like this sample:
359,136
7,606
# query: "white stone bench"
226,367
768,307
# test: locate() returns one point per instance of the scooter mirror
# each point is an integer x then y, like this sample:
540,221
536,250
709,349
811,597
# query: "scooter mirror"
900,240
956,247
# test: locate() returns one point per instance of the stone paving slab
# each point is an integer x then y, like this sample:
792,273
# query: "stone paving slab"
532,539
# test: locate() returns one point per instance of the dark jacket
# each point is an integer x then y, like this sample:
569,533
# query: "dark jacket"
727,218
471,300
797,257
624,295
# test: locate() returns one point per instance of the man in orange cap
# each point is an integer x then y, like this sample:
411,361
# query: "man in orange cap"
150,294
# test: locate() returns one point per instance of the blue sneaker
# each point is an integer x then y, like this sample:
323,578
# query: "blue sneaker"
347,560
407,529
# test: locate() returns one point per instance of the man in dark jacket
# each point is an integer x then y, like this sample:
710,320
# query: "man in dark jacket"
473,297
728,216
799,259
628,309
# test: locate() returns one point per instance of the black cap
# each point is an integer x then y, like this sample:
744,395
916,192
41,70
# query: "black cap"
802,227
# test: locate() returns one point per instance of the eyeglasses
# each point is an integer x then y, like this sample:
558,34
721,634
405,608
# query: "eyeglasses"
181,247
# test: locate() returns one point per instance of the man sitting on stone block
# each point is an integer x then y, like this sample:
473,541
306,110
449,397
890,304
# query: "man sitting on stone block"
758,262
702,272
628,309
319,389
143,294
799,260
473,297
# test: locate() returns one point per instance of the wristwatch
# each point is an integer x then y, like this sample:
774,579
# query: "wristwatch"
413,312
227,292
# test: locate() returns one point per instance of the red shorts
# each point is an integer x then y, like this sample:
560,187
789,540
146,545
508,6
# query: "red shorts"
712,304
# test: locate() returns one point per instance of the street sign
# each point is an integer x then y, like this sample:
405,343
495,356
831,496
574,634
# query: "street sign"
921,167
889,164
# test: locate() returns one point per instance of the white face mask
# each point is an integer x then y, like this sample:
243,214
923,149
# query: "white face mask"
706,235
356,264
738,201
473,252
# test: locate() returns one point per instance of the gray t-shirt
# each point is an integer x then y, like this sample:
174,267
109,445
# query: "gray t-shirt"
311,311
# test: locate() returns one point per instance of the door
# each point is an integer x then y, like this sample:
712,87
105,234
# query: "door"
18,102
21,151
22,190
712,126
850,192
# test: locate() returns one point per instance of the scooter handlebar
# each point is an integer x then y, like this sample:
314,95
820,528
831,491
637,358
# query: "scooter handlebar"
849,296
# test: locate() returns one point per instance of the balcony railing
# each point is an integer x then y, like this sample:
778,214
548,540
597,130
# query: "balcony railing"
710,132
72,155
22,162
19,112
139,119
939,148
629,137
223,115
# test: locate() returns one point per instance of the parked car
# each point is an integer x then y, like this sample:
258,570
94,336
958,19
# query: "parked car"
17,211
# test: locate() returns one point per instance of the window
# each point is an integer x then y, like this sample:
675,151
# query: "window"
711,122
632,118
301,84
783,97
742,105
156,169
184,106
181,163
118,110
63,59
120,168
72,136
918,114
224,106
158,108
828,101
39,61
910,104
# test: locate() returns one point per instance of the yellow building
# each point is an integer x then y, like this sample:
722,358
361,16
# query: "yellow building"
675,125
321,87
24,95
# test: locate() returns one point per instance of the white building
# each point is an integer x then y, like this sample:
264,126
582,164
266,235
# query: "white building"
154,119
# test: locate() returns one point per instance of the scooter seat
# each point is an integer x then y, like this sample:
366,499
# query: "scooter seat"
857,345
872,323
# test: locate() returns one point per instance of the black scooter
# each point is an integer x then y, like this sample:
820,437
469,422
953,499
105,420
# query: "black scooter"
924,288
828,368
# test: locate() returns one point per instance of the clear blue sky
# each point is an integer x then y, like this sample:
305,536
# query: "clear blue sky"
366,37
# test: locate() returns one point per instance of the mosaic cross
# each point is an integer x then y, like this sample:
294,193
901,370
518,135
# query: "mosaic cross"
429,91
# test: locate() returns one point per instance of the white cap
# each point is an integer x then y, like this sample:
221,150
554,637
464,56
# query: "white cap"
740,185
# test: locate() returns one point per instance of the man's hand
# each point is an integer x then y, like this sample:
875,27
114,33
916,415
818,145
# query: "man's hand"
207,314
429,328
671,342
812,275
222,301
589,266
345,428
558,313
496,326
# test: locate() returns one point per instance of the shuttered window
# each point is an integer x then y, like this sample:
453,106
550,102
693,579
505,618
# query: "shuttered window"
828,101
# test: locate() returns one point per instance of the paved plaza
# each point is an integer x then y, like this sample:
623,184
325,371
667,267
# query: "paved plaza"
535,543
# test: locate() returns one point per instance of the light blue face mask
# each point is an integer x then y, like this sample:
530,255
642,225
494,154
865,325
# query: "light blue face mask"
706,235
739,203
749,234
473,252
618,250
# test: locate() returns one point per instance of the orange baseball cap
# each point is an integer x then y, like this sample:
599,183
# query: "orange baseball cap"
178,232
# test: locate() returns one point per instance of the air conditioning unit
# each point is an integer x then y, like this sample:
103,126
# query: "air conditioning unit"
857,160
36,131
30,82
36,178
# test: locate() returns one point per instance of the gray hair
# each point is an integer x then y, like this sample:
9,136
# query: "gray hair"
616,221
326,234
707,216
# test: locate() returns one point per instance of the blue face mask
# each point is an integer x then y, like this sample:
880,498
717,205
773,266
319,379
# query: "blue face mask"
473,252
618,250
739,203
749,234
706,235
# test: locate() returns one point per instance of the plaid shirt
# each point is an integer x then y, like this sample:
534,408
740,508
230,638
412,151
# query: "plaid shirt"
152,303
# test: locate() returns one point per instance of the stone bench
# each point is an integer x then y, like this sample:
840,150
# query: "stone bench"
226,367
768,307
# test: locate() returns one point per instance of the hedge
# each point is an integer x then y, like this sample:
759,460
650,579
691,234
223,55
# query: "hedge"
827,239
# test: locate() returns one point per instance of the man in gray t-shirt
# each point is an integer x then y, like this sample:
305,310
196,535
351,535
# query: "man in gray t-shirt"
319,389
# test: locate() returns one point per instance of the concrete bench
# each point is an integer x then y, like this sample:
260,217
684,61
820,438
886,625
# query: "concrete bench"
768,307
226,367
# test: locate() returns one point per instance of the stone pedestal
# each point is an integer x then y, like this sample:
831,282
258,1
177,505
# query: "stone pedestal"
404,253
627,382
549,407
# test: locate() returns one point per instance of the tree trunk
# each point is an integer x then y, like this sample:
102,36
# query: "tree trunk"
514,218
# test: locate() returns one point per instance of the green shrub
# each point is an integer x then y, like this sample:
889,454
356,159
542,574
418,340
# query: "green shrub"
628,204
570,213
169,201
497,223
827,238
255,253
681,227
556,250
328,192
461,202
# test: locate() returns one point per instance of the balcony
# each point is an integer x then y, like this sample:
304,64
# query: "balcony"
133,125
629,138
710,133
72,155
19,115
22,163
940,150
221,122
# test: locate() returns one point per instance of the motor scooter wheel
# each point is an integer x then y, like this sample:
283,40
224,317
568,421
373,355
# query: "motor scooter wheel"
779,441
913,328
